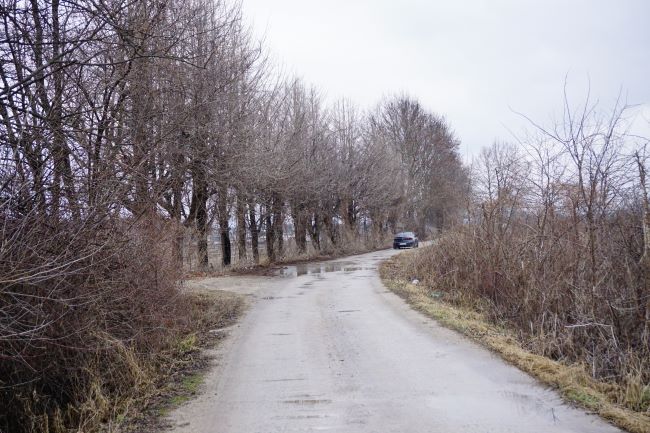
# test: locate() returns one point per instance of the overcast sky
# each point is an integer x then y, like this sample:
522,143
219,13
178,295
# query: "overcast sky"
471,61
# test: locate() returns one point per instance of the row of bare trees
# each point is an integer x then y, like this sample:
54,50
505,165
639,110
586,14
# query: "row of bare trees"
333,174
127,124
557,245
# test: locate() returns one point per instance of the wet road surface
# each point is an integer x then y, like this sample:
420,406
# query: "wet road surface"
325,347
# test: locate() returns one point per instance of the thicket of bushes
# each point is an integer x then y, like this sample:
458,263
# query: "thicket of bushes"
85,311
553,316
555,246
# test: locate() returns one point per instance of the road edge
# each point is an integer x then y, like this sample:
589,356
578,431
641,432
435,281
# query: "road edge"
571,382
181,377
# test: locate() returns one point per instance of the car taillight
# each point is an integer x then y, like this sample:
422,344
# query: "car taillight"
409,239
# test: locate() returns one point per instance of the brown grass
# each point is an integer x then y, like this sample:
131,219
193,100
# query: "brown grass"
178,376
95,320
572,380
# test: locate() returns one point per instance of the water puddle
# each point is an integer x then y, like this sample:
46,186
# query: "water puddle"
317,269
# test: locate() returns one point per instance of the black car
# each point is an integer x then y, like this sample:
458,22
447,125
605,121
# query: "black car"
405,240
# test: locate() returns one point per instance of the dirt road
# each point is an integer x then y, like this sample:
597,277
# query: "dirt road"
327,348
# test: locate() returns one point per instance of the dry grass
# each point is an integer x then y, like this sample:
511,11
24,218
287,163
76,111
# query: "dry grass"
572,380
96,323
180,370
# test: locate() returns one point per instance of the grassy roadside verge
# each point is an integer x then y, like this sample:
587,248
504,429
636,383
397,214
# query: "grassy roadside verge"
572,381
181,369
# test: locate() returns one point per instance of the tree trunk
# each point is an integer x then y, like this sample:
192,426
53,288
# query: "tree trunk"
314,230
278,223
225,244
350,215
300,228
224,228
201,196
331,229
254,229
176,218
241,227
199,212
270,237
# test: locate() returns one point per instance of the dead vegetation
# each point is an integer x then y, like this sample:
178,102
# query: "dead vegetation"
135,138
180,373
573,379
92,323
555,249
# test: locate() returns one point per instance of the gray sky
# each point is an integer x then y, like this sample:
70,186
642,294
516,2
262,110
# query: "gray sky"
467,60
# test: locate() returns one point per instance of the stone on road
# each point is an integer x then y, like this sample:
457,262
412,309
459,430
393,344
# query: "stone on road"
325,347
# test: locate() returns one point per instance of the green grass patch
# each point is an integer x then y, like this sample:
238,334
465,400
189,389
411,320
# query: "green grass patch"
188,344
178,400
585,399
192,383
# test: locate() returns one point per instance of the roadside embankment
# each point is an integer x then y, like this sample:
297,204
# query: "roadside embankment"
403,274
182,366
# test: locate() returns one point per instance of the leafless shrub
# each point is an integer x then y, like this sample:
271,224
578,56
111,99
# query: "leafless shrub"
81,306
556,248
129,127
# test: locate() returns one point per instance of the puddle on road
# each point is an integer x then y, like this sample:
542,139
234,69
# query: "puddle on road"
320,268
